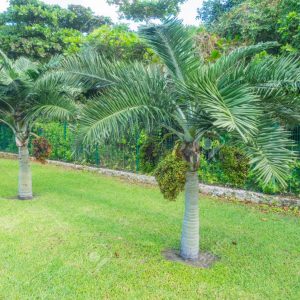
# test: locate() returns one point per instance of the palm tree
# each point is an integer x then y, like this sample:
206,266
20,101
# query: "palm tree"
29,91
191,99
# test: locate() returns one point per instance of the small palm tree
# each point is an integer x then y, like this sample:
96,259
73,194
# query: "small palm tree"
28,91
191,99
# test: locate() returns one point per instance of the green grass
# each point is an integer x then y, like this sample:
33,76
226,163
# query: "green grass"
91,237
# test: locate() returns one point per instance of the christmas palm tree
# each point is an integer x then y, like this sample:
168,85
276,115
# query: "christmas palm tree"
191,100
29,91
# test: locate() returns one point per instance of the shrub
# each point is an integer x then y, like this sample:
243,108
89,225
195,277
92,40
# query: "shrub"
235,165
60,137
294,180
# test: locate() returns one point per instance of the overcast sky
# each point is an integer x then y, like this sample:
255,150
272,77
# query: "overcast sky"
188,10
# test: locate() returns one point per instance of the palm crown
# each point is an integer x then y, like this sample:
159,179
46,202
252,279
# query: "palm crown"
191,99
236,94
29,91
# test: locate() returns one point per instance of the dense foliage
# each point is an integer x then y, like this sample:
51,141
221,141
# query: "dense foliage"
151,152
254,21
39,31
212,10
118,42
145,10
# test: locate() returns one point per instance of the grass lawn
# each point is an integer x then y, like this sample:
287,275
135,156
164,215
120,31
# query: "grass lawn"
91,237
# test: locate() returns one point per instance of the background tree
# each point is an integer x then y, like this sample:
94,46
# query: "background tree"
254,21
145,10
192,100
289,25
212,10
84,19
118,42
39,31
27,93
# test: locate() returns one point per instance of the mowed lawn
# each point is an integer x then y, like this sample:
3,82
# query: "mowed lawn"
86,236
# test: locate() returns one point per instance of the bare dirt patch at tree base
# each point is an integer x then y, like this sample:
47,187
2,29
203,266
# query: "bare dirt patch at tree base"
205,260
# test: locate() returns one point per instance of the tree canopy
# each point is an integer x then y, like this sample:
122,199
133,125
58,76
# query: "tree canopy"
118,42
254,21
39,31
145,10
212,10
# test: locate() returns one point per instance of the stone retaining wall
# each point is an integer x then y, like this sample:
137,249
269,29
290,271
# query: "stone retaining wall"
218,191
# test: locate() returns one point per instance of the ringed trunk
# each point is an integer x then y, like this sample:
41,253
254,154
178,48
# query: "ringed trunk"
190,230
25,179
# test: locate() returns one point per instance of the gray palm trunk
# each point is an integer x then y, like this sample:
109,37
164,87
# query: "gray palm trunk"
190,228
25,177
189,248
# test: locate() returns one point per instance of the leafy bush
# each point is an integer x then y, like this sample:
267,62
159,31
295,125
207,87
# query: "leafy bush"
118,42
171,176
294,180
60,137
235,165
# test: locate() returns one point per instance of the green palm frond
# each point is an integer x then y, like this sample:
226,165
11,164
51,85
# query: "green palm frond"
6,117
51,99
23,65
226,62
141,98
232,107
6,113
7,76
5,61
174,45
277,81
274,76
270,153
54,63
285,109
54,108
90,70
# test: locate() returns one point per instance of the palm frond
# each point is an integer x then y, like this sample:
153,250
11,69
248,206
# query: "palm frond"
60,109
5,119
270,153
282,71
90,70
231,60
23,65
51,99
277,81
140,98
5,61
174,45
232,107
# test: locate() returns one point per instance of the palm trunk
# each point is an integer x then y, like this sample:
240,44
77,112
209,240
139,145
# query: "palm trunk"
190,229
25,180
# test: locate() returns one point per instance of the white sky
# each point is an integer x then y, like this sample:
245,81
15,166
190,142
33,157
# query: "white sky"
188,9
